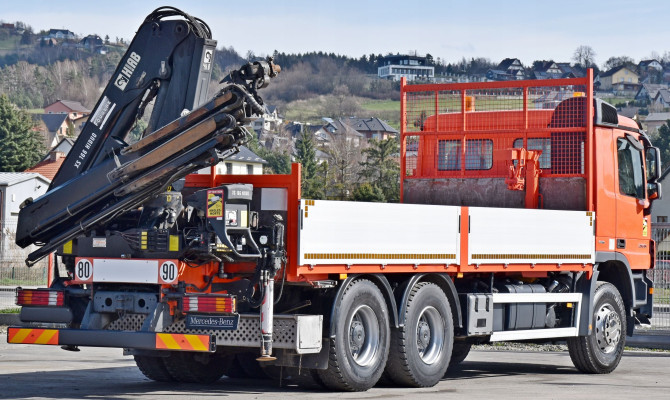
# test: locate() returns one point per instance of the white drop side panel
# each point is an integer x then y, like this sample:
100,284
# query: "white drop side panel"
508,236
344,232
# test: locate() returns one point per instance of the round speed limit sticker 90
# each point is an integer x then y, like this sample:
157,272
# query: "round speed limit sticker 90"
83,270
167,271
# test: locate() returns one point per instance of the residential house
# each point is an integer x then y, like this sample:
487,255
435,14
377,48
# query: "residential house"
569,71
654,120
54,128
64,146
15,188
268,122
646,66
619,78
372,128
509,69
394,67
660,212
61,34
94,44
648,91
547,70
50,165
73,109
338,129
662,99
245,162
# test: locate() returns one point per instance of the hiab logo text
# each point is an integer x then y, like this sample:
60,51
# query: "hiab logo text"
131,63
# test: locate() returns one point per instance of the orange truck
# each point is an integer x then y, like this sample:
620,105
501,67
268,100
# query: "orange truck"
524,216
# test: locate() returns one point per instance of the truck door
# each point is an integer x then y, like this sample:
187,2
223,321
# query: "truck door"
632,229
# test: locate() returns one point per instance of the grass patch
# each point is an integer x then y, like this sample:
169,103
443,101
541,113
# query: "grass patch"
13,310
22,282
381,105
10,43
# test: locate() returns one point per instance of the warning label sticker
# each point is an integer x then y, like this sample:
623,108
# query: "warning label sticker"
214,203
105,108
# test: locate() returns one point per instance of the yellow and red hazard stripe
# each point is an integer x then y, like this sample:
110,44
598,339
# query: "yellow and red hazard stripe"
32,336
176,341
101,338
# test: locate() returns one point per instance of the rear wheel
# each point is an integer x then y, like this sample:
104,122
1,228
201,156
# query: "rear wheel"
421,349
197,367
601,351
154,368
361,345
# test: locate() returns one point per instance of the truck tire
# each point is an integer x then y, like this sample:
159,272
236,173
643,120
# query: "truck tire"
360,349
459,353
245,366
154,368
601,351
421,349
197,367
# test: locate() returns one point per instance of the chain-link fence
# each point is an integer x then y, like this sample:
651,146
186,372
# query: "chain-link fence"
15,273
660,275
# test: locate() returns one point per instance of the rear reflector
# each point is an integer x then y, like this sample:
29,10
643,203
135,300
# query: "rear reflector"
210,304
40,297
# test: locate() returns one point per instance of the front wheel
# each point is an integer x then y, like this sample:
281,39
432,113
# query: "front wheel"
601,351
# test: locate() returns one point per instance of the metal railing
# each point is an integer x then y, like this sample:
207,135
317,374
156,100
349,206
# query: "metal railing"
15,273
660,275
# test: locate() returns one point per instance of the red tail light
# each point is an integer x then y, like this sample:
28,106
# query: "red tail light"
40,297
210,304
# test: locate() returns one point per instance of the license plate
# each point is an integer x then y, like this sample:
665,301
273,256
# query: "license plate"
225,322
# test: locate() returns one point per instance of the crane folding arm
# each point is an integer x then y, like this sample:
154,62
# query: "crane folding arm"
103,176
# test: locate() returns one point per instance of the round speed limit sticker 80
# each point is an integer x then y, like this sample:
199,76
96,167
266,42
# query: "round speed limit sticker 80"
83,270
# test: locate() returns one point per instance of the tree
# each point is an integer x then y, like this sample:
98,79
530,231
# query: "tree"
22,146
28,37
614,62
344,163
584,56
661,139
278,162
381,167
312,187
369,192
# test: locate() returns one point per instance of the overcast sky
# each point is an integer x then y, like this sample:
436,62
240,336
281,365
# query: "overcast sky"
525,29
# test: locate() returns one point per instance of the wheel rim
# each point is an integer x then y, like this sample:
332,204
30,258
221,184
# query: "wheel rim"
429,335
363,335
608,328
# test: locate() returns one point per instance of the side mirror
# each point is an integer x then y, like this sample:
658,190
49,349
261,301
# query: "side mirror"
652,157
654,191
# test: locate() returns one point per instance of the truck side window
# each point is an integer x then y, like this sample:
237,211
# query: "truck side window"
449,155
543,144
631,171
478,154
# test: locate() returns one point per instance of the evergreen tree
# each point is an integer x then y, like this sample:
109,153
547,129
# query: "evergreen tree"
21,146
312,186
661,139
381,167
369,192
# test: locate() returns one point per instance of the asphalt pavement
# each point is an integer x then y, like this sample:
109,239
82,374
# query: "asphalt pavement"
47,372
